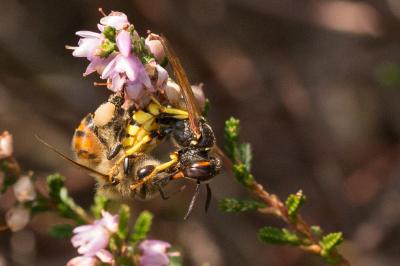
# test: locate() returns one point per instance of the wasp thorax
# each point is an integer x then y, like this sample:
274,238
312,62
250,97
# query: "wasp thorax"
104,114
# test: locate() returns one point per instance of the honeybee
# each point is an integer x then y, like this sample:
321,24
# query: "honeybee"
97,144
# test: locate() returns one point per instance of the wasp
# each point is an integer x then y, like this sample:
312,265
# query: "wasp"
193,136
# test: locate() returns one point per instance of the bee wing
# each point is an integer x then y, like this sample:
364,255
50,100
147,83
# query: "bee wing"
183,82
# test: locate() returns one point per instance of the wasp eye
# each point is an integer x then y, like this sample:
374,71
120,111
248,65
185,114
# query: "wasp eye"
145,171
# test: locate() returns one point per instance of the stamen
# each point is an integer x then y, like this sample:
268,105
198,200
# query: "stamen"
102,12
69,47
101,83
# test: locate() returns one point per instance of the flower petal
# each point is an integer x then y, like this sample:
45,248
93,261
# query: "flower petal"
105,256
109,70
83,261
109,221
124,42
118,20
88,34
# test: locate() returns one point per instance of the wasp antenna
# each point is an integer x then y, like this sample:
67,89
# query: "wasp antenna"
51,147
209,194
194,198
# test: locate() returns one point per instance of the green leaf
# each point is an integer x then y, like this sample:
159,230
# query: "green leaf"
175,260
40,204
100,203
114,243
123,224
107,47
123,261
388,75
61,231
8,178
316,230
329,242
142,226
109,32
243,175
272,235
232,126
294,202
55,182
245,155
237,205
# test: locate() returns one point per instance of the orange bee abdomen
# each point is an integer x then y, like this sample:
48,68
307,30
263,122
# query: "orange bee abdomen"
85,143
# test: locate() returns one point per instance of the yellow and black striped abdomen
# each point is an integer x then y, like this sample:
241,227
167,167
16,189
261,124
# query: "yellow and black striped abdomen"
85,143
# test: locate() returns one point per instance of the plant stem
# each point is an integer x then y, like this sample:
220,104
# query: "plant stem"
277,208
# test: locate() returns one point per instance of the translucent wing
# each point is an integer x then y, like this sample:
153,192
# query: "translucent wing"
183,82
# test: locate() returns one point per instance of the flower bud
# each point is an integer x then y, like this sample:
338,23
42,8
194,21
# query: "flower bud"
24,189
17,218
174,95
6,145
155,47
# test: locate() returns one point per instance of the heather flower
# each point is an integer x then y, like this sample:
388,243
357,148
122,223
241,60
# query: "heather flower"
88,45
17,218
6,145
129,66
24,189
83,261
92,238
124,42
101,256
155,253
155,47
117,20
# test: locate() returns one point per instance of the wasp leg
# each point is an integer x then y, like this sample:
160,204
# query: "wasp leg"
158,169
194,198
209,194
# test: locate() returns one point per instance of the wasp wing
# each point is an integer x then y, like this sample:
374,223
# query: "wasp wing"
183,82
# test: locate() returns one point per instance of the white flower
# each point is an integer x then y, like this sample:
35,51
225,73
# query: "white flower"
6,145
24,189
17,218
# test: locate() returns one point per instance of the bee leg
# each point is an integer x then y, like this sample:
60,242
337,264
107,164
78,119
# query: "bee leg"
194,198
209,194
114,151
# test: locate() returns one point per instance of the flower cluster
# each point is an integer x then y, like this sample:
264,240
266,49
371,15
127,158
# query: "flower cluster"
120,56
92,241
17,217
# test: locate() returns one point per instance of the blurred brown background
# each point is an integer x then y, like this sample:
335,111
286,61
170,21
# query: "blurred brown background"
316,84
